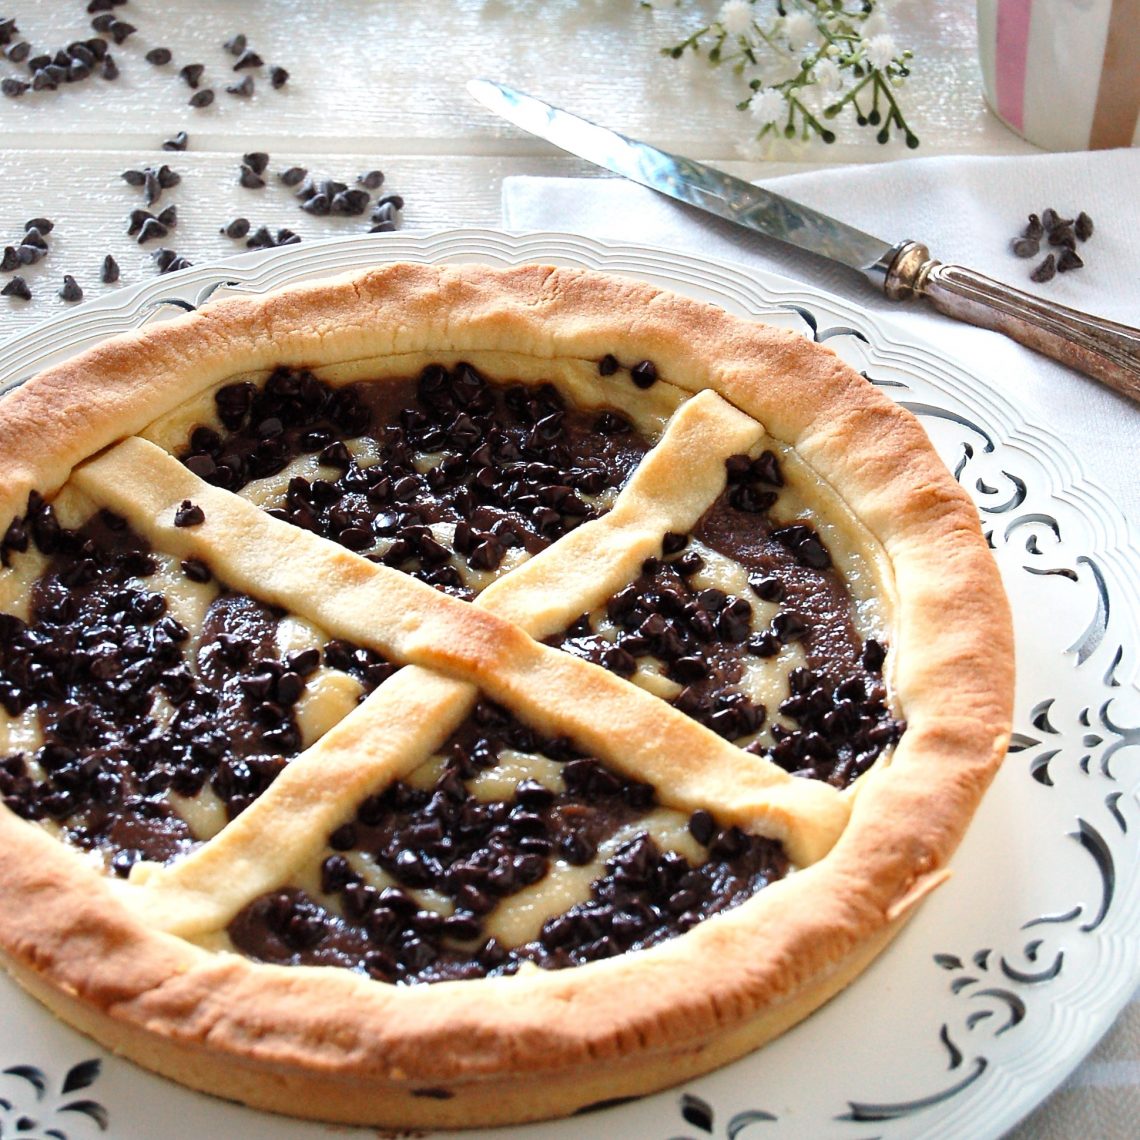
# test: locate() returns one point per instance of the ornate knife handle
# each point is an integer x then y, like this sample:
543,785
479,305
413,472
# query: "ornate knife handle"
1105,350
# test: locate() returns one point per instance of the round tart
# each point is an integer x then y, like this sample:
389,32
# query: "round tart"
453,696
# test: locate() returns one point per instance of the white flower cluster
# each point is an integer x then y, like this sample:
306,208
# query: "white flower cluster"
804,62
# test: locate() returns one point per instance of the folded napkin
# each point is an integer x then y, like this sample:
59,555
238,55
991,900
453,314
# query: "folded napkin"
967,210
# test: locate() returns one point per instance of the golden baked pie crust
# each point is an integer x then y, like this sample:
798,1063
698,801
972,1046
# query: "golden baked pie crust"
334,1045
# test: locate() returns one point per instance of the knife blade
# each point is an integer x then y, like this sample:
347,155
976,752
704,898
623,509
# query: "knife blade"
691,182
1102,349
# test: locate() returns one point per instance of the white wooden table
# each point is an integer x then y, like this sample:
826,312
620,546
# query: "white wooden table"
380,84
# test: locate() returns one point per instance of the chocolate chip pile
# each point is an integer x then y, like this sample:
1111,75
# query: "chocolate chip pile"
503,467
81,59
317,196
1062,233
479,853
702,636
127,711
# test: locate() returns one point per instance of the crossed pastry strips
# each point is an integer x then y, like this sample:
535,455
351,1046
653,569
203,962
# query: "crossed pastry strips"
453,650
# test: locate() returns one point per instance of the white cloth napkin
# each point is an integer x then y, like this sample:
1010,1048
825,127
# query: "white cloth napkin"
967,210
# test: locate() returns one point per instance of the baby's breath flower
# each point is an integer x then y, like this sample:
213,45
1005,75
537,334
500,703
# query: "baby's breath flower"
768,106
805,62
735,16
827,74
799,29
880,50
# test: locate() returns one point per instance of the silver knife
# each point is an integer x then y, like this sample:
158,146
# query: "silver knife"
1105,350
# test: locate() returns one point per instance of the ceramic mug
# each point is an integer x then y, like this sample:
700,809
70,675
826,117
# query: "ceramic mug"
1064,74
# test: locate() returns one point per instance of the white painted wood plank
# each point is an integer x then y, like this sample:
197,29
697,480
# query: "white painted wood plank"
380,74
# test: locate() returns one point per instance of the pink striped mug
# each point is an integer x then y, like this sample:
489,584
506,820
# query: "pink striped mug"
1064,74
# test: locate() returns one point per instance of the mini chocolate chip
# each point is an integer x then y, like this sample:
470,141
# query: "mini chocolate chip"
644,374
874,654
158,56
747,498
123,861
237,228
702,826
133,177
13,87
1063,236
120,31
689,563
42,225
70,290
1034,229
1069,259
256,160
1083,226
249,178
17,287
110,68
336,455
10,260
1026,247
151,228
673,542
344,838
293,175
177,142
196,570
202,98
735,621
1050,219
244,88
189,514
620,661
236,44
278,77
763,645
766,468
769,588
248,59
608,365
788,626
191,74
738,468
1046,271
686,670
109,274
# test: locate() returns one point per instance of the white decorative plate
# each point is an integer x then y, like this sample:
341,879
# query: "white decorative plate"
1006,977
